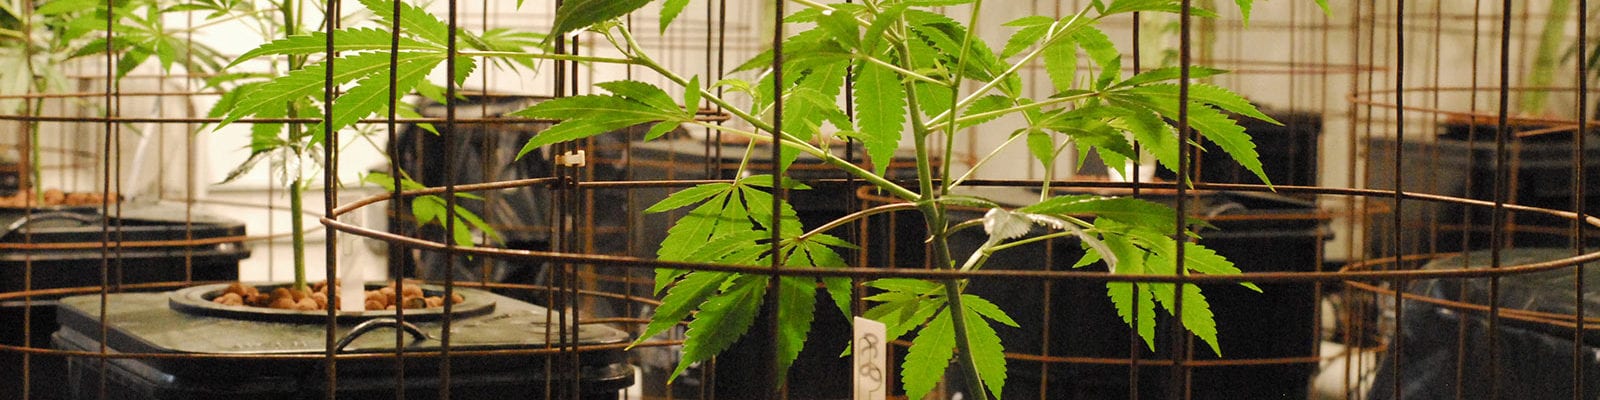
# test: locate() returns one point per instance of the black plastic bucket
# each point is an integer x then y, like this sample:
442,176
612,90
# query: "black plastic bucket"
217,259
146,323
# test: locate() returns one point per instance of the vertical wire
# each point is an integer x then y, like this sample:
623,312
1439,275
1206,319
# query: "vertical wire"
1178,348
559,90
770,386
190,156
450,137
398,273
105,201
114,108
571,208
1434,103
630,218
1048,285
1434,157
1370,84
1470,186
1498,211
330,193
854,203
1579,189
1134,342
1309,179
1352,315
1399,160
25,168
1322,85
486,264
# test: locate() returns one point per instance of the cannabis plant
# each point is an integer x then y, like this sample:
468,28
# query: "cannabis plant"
38,40
374,65
908,65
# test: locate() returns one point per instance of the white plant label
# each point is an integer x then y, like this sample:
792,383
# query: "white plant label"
352,277
869,358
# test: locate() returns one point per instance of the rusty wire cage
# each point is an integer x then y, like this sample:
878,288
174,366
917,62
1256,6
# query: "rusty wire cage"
1425,237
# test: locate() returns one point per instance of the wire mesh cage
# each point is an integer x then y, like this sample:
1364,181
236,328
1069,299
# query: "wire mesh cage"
587,199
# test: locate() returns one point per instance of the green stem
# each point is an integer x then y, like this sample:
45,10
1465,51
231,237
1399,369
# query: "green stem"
952,291
760,138
548,56
854,216
939,124
297,223
40,84
903,71
291,19
967,101
933,214
1208,34
955,94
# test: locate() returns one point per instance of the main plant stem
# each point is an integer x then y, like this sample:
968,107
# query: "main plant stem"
291,25
933,213
297,223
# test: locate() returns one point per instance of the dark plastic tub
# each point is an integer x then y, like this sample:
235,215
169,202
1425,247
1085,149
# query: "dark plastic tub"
1535,360
819,373
1288,152
1258,232
145,323
81,267
1540,175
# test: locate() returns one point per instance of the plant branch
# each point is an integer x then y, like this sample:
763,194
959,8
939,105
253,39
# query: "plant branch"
548,56
760,138
1039,50
855,216
642,59
902,71
933,214
985,160
1001,112
955,94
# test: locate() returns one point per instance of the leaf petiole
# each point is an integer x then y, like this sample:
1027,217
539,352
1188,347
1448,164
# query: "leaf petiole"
1000,78
548,56
902,71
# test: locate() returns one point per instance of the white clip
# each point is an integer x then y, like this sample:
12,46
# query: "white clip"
572,159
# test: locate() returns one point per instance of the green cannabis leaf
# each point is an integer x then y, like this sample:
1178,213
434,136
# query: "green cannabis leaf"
364,60
432,209
881,105
908,303
631,103
732,225
578,14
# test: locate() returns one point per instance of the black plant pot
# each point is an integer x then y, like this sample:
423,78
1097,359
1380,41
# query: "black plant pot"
1258,232
170,323
81,267
819,373
1461,163
1534,359
1288,152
